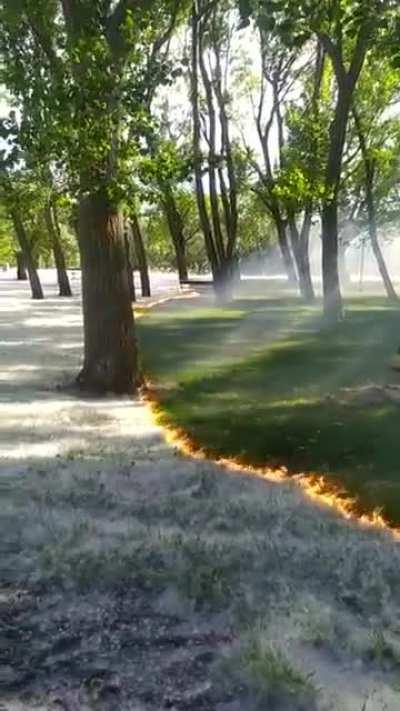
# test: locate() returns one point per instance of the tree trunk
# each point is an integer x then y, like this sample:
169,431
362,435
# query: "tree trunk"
129,266
300,251
110,358
23,241
305,249
333,308
176,230
141,257
197,152
376,248
181,263
224,282
345,277
371,209
59,259
285,250
21,267
346,84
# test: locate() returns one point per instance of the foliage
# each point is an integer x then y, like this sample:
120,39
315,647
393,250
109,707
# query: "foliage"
7,242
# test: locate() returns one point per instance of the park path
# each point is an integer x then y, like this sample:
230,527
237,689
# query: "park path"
40,349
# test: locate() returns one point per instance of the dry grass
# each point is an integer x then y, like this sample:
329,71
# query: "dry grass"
208,548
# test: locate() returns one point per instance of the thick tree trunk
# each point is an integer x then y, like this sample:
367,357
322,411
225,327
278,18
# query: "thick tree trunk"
333,307
22,274
23,241
141,257
110,358
300,251
176,230
224,282
59,259
129,265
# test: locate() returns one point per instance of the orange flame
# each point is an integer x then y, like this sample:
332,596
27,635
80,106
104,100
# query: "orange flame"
315,487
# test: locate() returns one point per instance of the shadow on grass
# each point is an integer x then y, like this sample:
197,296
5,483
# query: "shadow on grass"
265,389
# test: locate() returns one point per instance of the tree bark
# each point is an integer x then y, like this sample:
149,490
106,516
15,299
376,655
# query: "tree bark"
300,251
21,267
141,257
371,209
346,84
110,358
129,265
197,154
305,247
176,230
59,259
224,281
285,249
333,309
376,248
23,241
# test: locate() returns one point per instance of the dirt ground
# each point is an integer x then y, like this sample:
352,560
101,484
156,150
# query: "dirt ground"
135,579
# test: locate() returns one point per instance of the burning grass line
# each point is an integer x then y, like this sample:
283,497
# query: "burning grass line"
316,487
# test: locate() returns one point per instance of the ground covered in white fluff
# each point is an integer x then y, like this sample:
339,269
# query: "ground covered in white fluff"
133,578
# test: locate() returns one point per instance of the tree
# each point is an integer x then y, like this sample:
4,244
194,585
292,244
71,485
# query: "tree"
140,254
16,190
80,70
163,171
53,228
346,29
160,247
377,134
272,87
211,35
18,195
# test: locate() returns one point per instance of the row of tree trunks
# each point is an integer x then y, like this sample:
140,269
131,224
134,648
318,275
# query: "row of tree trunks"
59,259
27,257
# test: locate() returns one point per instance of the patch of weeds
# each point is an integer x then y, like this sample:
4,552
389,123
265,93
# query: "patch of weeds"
74,453
317,624
55,557
203,574
382,651
150,563
89,493
207,484
267,675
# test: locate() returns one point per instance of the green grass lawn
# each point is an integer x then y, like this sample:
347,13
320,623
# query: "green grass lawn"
263,380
